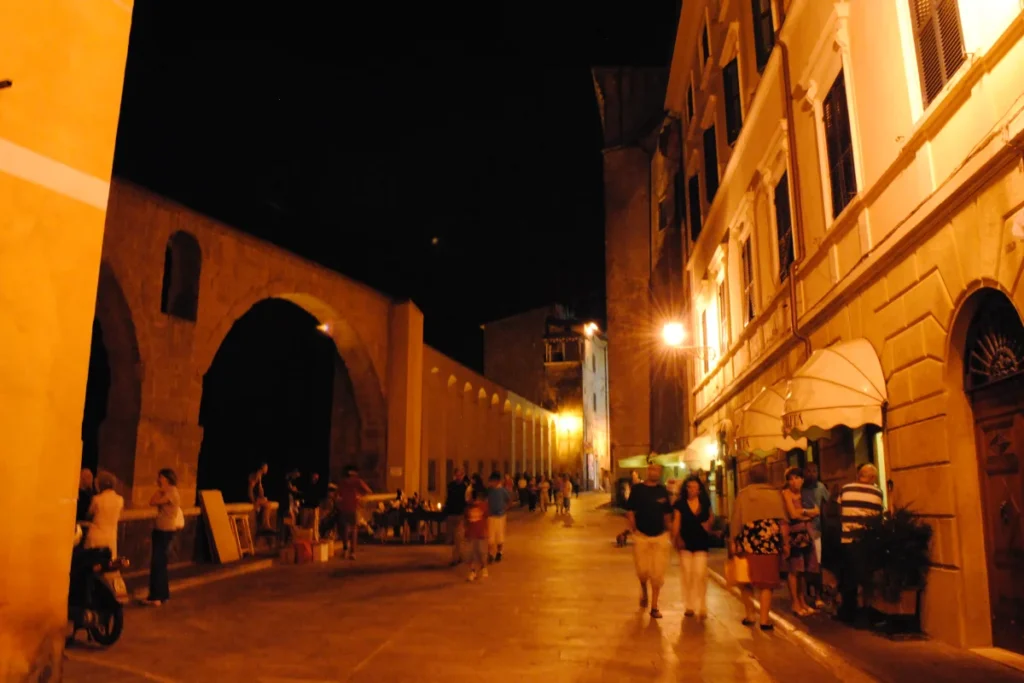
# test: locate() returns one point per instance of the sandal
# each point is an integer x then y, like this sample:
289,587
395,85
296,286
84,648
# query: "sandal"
655,613
767,627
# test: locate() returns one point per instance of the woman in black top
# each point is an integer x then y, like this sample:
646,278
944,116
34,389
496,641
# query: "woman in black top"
691,530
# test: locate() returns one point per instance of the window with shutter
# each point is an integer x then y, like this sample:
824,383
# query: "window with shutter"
694,201
764,31
733,105
710,164
689,103
723,319
704,337
940,43
747,265
783,226
839,144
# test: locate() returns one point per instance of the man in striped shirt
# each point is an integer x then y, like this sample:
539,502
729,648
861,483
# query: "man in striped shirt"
858,501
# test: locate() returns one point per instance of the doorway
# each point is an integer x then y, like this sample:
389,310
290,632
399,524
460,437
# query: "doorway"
994,380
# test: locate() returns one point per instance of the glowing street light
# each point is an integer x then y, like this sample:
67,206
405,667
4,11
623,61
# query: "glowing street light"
673,334
324,328
590,329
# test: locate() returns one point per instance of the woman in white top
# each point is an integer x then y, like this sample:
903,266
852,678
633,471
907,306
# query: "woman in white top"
169,519
104,514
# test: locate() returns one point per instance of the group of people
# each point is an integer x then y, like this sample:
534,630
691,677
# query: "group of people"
542,491
476,520
771,531
99,511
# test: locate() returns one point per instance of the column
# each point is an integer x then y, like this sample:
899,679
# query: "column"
405,396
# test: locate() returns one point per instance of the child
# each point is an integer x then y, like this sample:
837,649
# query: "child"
476,533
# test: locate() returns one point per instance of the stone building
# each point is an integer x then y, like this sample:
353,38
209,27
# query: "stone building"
61,68
560,363
853,177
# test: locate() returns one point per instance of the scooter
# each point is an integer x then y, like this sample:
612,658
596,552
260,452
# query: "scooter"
97,594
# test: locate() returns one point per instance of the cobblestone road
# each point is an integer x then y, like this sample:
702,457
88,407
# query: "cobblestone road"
561,607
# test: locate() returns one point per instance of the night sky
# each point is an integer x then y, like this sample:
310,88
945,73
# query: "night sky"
355,138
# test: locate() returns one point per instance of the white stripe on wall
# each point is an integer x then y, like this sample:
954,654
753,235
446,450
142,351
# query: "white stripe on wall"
23,163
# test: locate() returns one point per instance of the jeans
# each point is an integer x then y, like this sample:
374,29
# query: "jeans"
848,581
159,588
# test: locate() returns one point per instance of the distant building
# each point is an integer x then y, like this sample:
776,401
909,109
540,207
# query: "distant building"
559,362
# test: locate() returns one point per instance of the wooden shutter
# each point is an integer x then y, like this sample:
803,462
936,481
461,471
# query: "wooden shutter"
710,164
694,201
940,43
784,226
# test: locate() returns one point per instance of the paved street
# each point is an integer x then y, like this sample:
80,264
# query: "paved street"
562,607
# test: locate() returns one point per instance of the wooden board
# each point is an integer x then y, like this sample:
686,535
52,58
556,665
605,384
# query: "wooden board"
218,525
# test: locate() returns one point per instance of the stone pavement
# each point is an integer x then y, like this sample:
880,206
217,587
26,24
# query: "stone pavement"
562,606
885,659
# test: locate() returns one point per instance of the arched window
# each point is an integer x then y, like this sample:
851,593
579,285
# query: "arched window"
183,261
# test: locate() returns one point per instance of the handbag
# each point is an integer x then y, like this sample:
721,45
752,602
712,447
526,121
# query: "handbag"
737,571
179,520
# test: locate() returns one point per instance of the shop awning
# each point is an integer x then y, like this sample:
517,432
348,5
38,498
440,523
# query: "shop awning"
633,462
759,427
840,385
699,453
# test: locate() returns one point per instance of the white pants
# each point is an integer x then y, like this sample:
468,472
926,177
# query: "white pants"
495,533
817,549
650,554
694,574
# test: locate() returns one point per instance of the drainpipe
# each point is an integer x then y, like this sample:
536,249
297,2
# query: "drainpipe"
798,213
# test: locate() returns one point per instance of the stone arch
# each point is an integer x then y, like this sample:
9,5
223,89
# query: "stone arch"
183,264
118,432
481,395
975,606
363,375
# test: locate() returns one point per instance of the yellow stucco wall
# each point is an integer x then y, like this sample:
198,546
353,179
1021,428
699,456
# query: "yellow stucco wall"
57,127
938,188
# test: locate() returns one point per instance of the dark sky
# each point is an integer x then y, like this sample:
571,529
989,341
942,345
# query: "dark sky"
355,136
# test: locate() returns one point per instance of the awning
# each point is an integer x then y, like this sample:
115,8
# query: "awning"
759,426
840,385
633,462
699,453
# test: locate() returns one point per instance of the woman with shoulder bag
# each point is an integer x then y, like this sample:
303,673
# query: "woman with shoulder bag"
169,519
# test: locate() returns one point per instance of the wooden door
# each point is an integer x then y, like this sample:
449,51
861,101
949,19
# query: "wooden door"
999,432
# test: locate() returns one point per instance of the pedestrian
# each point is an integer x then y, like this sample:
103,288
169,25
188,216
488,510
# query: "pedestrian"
258,497
169,520
760,540
351,490
802,558
104,514
545,493
532,492
455,511
815,496
567,488
858,502
650,518
476,534
521,483
498,500
691,526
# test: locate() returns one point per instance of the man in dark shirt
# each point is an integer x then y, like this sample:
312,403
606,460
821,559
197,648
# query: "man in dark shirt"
454,509
649,514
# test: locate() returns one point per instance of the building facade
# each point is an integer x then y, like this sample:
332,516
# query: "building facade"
562,364
853,183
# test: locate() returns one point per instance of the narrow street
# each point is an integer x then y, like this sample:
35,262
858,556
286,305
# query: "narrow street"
562,607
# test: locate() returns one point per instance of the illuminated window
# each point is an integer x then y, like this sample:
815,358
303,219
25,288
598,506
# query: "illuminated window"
733,105
710,164
694,201
764,31
940,43
784,226
747,266
836,117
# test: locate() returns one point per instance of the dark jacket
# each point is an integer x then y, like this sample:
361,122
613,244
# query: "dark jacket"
455,503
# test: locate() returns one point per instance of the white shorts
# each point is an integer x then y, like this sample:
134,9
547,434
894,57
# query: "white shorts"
650,554
496,530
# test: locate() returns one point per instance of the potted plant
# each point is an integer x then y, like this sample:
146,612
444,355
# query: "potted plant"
896,561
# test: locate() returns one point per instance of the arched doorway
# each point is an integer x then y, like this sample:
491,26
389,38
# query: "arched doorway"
993,379
270,396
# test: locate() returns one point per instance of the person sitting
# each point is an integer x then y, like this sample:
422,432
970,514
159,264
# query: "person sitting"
104,514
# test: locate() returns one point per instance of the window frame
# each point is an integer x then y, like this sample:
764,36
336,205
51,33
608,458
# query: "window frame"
706,351
842,103
710,189
748,278
763,45
733,100
724,326
696,214
783,272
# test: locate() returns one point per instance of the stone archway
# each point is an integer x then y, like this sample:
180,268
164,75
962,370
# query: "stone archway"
976,417
117,436
368,408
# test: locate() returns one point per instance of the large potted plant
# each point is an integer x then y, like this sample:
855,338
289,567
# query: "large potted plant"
896,560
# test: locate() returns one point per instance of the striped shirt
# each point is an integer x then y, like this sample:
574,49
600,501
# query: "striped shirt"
858,501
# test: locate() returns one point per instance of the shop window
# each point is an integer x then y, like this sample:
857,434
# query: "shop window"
747,267
783,226
764,31
432,475
693,199
733,103
939,39
710,164
183,260
839,142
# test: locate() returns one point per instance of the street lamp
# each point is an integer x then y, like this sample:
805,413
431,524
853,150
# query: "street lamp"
324,328
673,334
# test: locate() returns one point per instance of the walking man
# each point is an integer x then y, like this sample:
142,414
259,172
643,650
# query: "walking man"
455,510
498,500
649,514
350,491
858,501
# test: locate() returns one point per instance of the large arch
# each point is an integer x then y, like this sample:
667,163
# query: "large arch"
975,604
117,432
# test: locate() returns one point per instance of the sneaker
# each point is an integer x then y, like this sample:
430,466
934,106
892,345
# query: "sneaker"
472,577
483,573
497,558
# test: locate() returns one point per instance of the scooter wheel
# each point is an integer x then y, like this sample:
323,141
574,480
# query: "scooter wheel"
108,624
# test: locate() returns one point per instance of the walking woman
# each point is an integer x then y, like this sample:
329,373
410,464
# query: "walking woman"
691,526
761,539
169,519
802,557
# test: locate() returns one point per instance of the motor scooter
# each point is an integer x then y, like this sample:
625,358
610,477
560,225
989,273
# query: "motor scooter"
97,594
